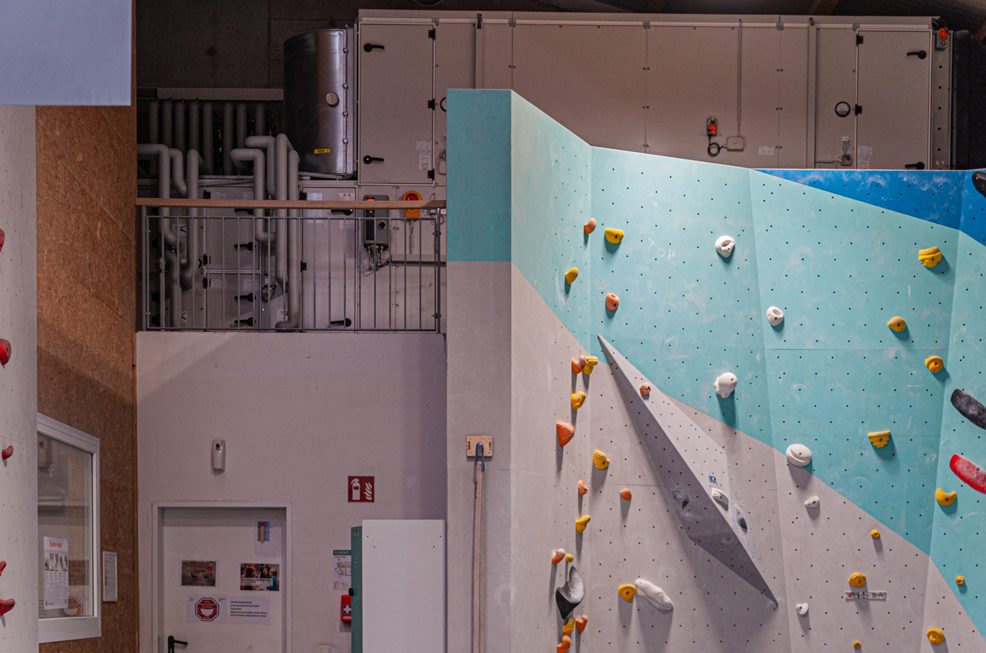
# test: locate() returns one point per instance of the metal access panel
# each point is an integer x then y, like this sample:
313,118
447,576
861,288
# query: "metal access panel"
396,66
894,123
835,97
589,78
455,67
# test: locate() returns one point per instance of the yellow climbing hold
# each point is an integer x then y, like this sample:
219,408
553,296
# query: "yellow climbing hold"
590,364
581,523
857,579
568,627
936,636
897,323
614,236
627,591
569,558
934,363
930,257
571,275
875,534
960,580
600,460
945,499
857,645
578,398
879,439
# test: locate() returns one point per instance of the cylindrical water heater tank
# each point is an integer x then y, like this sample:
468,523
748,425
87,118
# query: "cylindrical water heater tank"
318,100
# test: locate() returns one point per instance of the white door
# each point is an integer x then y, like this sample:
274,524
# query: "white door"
223,580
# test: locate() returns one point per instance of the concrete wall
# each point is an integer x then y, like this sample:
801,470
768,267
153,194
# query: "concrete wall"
86,312
18,380
839,267
299,413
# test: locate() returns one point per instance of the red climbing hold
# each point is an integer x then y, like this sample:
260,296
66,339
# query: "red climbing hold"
4,352
3,237
7,452
3,565
6,605
970,472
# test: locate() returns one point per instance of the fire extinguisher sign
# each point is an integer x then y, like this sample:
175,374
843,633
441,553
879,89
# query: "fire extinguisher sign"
361,489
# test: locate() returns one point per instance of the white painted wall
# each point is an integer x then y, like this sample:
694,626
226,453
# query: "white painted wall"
18,380
299,412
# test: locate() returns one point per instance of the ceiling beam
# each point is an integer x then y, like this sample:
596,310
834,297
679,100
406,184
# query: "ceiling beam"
822,7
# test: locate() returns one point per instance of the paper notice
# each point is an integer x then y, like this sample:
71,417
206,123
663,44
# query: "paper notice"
342,566
249,611
56,573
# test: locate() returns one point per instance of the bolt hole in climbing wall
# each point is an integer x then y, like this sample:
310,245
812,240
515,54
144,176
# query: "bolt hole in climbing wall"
744,406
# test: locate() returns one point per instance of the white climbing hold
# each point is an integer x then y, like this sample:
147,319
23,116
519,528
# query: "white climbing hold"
725,245
724,384
798,455
812,502
720,497
653,595
775,316
801,609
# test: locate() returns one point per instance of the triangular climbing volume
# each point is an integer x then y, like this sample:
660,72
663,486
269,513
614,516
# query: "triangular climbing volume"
693,471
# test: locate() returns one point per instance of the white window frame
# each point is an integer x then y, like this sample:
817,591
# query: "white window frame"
64,629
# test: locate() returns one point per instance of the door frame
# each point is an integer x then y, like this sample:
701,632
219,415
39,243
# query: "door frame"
157,560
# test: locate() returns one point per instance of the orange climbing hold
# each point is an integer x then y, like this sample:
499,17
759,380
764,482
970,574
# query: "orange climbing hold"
578,364
557,556
612,301
580,623
626,494
565,432
589,226
583,490
564,644
568,627
645,391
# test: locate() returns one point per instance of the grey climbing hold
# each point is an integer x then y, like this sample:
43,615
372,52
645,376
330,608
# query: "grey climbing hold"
569,595
813,502
970,407
798,455
724,384
654,595
801,609
720,497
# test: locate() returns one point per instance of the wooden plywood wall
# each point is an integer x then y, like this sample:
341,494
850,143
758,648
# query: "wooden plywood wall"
86,319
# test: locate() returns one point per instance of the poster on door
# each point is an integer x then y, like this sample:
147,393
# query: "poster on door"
361,489
260,577
249,610
56,573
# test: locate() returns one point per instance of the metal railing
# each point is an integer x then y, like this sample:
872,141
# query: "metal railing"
288,265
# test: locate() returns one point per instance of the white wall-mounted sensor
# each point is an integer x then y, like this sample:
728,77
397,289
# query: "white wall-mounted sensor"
219,455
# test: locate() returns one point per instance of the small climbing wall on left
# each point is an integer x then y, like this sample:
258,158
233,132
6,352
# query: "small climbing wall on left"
18,383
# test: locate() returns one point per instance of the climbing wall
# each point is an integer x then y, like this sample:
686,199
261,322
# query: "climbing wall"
18,383
754,552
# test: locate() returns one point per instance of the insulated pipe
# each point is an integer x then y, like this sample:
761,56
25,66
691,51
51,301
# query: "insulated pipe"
192,162
282,145
256,157
260,119
153,122
227,138
207,148
164,156
241,124
268,144
178,171
294,250
167,115
194,130
180,127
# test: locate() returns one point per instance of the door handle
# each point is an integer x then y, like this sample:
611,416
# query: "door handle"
172,642
370,159
370,47
920,54
917,165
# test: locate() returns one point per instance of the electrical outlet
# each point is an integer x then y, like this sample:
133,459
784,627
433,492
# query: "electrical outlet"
485,440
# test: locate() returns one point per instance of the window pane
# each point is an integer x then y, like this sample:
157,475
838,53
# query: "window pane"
64,530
